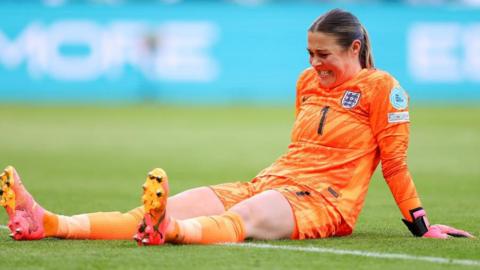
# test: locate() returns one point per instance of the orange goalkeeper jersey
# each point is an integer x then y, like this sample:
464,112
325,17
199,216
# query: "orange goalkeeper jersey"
341,134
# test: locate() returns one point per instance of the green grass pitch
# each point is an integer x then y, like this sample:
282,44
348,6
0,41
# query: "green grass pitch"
92,158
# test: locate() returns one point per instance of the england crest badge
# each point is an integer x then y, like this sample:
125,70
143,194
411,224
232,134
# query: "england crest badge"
350,99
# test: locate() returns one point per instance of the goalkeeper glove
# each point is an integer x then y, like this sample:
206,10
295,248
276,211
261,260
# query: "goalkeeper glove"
420,227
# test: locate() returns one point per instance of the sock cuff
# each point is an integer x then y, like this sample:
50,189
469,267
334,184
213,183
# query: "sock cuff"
239,224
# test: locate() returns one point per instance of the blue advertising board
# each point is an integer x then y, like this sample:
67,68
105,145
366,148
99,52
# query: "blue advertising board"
219,52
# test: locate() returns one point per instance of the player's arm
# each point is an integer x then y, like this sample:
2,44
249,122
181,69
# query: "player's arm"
390,123
393,143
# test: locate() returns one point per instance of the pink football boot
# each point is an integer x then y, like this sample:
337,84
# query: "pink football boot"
152,229
25,215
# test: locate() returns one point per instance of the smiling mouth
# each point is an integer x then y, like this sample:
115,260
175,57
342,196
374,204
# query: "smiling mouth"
324,73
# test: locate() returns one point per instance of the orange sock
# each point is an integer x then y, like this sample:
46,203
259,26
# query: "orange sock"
115,225
227,227
100,225
50,224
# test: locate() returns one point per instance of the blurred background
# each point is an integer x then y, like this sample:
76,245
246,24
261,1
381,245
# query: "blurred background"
222,51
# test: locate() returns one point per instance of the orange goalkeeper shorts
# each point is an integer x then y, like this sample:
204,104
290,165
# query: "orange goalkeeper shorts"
314,216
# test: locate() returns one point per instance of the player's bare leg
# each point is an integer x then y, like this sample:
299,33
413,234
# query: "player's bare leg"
206,203
266,216
26,217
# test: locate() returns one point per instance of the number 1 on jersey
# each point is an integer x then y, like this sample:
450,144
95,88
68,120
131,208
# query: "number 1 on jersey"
322,119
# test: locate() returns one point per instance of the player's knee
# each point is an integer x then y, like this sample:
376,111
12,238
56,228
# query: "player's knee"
251,220
255,221
266,216
245,212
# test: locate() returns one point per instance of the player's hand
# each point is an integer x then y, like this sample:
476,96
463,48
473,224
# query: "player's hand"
420,227
444,232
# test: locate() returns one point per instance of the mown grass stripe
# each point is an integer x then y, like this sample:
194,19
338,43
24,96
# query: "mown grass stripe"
378,255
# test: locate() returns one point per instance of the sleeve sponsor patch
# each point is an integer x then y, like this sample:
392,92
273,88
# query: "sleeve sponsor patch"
398,98
398,117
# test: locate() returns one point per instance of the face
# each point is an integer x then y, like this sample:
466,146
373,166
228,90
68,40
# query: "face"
334,64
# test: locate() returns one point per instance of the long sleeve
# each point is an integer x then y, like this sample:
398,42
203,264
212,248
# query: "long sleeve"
393,144
390,124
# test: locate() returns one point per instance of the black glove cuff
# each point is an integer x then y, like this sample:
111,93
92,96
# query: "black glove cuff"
418,227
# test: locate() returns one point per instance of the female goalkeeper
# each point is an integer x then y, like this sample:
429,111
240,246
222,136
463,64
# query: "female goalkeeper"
349,118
